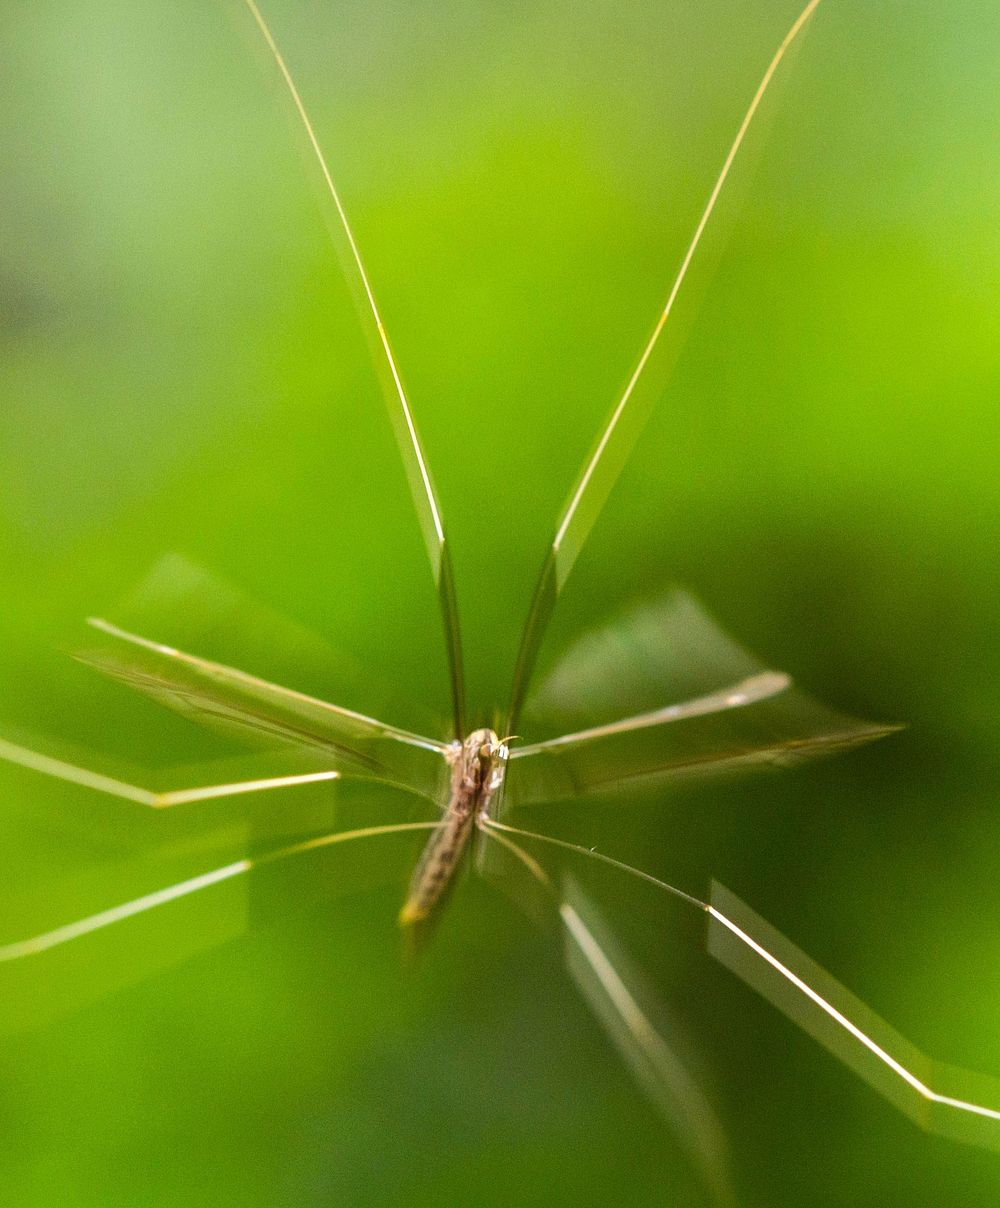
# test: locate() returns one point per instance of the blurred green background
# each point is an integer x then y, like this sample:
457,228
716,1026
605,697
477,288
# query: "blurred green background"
183,371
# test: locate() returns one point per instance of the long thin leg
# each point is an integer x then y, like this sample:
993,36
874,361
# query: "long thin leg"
613,992
491,825
13,753
742,729
227,698
205,672
410,447
105,918
747,692
627,420
821,1006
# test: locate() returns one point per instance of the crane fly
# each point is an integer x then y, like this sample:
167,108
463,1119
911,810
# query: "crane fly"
699,704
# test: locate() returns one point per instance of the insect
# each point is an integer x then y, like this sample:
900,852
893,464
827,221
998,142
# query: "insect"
742,714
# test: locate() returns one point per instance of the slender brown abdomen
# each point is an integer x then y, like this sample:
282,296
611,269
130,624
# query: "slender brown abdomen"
437,863
477,774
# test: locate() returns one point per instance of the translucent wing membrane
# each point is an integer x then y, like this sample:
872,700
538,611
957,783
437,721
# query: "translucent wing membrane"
305,741
955,1103
685,740
615,993
747,692
191,608
739,716
661,650
414,459
253,708
629,416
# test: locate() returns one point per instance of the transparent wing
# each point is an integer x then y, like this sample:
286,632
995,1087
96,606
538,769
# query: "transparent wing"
770,732
663,649
617,995
194,606
191,608
737,714
411,449
943,1099
628,418
253,708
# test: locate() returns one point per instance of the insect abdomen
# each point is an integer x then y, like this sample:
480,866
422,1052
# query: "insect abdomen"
437,865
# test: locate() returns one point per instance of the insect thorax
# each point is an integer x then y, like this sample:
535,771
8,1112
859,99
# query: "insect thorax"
479,765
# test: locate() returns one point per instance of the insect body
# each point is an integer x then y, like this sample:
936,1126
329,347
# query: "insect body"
478,768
